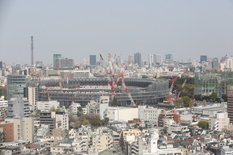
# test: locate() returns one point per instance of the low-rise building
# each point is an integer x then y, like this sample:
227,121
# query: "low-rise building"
147,113
47,105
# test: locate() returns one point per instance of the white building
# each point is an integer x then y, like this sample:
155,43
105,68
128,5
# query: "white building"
74,108
62,120
121,113
229,63
158,58
219,122
47,105
147,113
226,150
168,122
151,60
153,147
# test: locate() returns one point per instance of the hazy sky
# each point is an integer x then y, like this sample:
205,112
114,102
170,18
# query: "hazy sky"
78,28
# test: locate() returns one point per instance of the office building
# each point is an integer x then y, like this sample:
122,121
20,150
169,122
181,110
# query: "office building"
92,59
158,59
215,63
151,60
203,58
23,128
1,67
230,103
31,93
130,59
64,63
15,86
169,58
18,107
55,56
137,59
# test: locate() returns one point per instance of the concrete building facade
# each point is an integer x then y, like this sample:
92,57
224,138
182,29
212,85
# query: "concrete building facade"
18,108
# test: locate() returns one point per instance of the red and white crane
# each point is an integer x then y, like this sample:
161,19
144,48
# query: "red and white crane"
178,95
76,92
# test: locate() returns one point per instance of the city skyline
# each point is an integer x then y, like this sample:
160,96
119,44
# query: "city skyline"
184,29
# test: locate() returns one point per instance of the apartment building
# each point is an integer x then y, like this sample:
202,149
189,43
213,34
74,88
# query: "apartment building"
23,128
219,122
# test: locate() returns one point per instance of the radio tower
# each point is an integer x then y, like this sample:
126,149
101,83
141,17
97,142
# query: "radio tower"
32,50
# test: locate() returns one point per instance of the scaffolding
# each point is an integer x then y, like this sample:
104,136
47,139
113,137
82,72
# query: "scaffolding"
209,82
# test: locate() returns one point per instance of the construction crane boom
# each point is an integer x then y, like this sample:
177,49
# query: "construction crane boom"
48,93
182,87
59,77
76,92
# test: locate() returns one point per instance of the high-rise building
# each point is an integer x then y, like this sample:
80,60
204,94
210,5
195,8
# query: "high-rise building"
151,60
92,59
31,93
229,63
130,59
55,56
137,59
203,58
230,103
215,63
158,58
64,63
15,86
1,65
169,58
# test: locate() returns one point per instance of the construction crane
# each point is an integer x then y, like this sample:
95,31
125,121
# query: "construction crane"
48,93
178,95
59,77
76,92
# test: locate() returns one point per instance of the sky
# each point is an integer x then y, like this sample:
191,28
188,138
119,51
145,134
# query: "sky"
78,28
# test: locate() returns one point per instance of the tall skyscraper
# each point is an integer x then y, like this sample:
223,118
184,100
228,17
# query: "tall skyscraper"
92,59
1,65
215,63
137,59
169,58
130,59
15,86
151,60
203,58
158,58
230,103
55,56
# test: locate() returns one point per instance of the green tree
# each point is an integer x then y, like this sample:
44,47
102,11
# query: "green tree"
80,109
115,102
198,97
186,101
106,120
203,124
52,109
85,122
214,96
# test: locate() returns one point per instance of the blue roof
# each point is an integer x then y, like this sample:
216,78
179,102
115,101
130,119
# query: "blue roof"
182,137
69,141
176,144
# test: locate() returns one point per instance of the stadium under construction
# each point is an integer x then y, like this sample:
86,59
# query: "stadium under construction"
143,91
